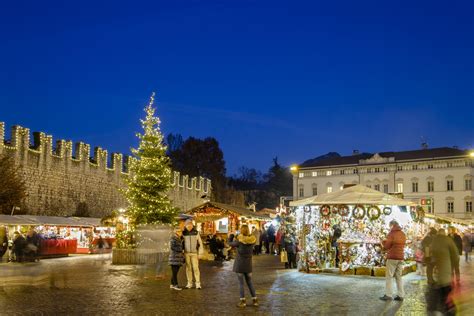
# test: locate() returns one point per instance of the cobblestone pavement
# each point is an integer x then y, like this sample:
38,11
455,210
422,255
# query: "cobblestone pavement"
86,285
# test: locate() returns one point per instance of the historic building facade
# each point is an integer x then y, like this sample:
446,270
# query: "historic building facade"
440,176
60,181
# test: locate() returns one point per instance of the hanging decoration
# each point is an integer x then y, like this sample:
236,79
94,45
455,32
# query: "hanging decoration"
325,210
343,210
358,212
387,210
373,212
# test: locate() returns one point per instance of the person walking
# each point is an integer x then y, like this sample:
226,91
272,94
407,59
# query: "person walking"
3,241
466,245
394,244
176,258
264,241
243,263
427,253
18,247
458,242
271,239
288,244
445,256
193,247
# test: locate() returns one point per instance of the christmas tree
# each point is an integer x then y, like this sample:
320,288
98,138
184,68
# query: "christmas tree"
150,175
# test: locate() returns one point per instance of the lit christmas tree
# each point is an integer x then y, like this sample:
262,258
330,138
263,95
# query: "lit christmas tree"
150,175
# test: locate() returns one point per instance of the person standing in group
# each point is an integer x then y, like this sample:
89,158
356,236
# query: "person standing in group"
243,263
3,241
394,244
192,248
256,247
288,244
427,253
176,258
446,256
466,245
458,242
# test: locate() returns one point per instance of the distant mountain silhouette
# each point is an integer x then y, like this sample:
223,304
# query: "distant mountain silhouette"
321,158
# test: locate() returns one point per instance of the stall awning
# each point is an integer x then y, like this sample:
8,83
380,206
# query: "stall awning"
213,211
49,220
357,194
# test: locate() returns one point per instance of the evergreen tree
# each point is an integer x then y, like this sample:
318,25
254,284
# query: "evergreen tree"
150,175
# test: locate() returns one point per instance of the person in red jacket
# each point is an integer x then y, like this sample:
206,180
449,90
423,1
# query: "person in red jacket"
394,245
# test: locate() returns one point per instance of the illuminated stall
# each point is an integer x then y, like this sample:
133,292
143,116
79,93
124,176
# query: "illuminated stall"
218,218
361,217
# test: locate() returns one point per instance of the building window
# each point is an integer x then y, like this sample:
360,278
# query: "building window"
377,187
377,169
414,187
400,187
468,184
385,188
399,168
342,171
430,186
315,190
450,207
430,166
329,189
329,172
369,170
469,206
369,186
301,175
450,164
385,169
449,185
355,171
301,191
314,173
415,167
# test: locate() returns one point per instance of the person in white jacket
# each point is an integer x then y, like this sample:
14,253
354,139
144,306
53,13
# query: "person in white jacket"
193,247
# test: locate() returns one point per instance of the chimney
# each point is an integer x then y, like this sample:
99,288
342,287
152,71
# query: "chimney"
355,152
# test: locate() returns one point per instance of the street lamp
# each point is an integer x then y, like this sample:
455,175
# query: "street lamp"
294,170
471,154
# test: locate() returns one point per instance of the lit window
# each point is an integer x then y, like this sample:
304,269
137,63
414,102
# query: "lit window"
314,174
329,189
450,207
341,187
400,187
469,206
301,175
329,173
450,185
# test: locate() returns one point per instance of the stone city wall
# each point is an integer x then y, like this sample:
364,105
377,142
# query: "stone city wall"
60,181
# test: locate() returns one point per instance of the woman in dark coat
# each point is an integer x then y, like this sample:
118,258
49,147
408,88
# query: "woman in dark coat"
3,241
176,258
243,263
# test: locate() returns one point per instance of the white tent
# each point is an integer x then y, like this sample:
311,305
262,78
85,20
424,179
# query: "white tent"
357,194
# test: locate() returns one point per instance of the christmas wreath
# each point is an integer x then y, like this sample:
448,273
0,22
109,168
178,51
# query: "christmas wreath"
358,212
325,210
343,210
373,212
307,209
387,210
335,209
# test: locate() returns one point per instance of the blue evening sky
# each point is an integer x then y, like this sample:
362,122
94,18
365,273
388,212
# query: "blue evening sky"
293,79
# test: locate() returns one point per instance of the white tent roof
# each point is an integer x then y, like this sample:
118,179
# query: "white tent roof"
357,194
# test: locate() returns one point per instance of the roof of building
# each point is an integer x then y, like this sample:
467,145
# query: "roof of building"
222,209
33,220
433,153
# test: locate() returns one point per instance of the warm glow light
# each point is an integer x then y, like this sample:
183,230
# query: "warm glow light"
472,154
294,168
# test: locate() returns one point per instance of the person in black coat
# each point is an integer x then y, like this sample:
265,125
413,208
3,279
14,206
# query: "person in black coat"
243,263
458,242
19,244
289,244
3,241
176,258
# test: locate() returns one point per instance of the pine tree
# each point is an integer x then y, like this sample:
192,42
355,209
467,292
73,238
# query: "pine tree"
150,175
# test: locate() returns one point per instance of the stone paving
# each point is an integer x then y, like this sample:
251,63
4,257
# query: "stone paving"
90,285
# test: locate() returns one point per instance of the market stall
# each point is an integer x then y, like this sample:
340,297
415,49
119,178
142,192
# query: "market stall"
218,218
61,235
344,229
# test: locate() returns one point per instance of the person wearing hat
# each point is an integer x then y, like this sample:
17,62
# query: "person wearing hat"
192,248
394,245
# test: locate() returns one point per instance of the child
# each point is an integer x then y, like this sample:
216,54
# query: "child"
176,259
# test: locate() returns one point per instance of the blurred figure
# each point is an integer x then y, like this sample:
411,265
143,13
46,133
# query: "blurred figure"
19,244
289,245
176,258
257,248
445,256
3,241
337,232
458,242
419,257
264,240
271,239
466,245
32,245
427,253
278,239
394,244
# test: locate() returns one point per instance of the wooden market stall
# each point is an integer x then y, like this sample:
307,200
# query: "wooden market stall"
219,218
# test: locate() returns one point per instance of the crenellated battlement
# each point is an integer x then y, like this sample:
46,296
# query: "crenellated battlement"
60,177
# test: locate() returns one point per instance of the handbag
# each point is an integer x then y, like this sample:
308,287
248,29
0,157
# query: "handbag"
283,256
